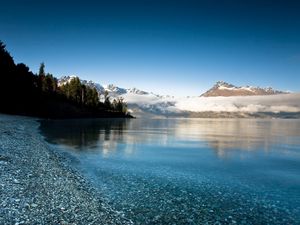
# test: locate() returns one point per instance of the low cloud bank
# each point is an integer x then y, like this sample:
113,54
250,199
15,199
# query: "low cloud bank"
252,104
269,103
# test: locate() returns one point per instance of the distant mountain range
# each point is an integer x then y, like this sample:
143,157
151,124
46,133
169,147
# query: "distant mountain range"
113,90
239,102
222,88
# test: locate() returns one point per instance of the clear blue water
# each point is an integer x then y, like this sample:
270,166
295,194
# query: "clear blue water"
189,171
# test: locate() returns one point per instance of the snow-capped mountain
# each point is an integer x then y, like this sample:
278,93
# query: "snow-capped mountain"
113,90
66,79
138,101
137,91
231,101
222,88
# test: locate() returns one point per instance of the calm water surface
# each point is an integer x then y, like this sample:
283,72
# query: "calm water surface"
189,171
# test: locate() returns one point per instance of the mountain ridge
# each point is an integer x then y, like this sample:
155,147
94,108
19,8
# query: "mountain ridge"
113,90
225,89
144,104
220,88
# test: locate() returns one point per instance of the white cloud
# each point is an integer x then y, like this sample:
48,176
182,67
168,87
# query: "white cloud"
252,104
268,103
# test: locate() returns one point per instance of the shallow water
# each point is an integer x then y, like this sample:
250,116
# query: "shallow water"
189,171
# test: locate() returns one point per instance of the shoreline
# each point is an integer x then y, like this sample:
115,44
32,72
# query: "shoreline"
37,184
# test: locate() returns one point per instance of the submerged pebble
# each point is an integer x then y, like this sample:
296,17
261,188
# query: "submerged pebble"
39,180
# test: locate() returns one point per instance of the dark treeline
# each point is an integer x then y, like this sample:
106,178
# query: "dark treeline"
25,93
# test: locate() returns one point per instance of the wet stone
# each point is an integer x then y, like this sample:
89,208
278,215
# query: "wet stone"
39,180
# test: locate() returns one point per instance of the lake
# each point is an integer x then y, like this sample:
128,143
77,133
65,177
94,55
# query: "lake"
189,171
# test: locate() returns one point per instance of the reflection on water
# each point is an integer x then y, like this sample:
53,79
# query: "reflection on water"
241,135
222,135
190,171
82,135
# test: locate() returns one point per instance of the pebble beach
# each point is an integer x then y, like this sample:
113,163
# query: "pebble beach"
38,187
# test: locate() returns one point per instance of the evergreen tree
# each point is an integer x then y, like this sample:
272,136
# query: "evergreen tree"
83,94
114,104
6,61
25,93
65,90
92,98
42,83
106,100
121,106
42,70
75,90
95,97
80,93
50,83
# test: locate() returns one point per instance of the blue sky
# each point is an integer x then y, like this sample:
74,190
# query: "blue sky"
169,47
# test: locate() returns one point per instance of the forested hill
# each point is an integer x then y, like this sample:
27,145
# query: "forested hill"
25,93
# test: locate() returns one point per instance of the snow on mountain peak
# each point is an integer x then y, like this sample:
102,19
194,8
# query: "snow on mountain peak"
136,91
66,79
238,100
222,88
223,84
114,90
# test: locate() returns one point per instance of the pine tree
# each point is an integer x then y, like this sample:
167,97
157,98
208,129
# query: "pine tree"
121,106
75,90
39,95
42,70
42,83
106,100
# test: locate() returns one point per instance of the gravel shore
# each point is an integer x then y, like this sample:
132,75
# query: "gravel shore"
38,187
